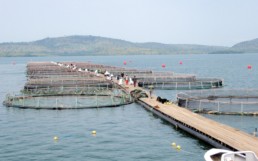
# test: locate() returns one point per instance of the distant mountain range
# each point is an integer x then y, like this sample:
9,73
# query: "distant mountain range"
94,45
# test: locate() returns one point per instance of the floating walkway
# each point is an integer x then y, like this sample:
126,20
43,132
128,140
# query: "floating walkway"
216,134
212,132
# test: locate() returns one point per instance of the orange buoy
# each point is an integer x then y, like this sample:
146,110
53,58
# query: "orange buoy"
180,62
125,63
249,66
163,65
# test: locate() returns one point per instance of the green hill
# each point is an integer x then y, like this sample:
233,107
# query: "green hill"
93,45
242,47
247,46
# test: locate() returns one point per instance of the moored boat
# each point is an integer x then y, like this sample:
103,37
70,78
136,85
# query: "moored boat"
227,155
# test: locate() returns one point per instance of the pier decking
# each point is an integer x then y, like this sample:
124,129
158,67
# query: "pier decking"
217,134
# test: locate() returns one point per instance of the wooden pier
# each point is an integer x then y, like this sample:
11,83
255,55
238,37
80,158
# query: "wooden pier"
216,134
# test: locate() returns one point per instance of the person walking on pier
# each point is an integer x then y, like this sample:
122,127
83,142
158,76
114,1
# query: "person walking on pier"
134,81
151,90
126,79
130,81
120,81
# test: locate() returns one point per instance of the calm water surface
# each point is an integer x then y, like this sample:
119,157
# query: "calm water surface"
123,133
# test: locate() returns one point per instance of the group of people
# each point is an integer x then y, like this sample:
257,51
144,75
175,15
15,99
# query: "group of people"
122,78
108,75
128,80
71,66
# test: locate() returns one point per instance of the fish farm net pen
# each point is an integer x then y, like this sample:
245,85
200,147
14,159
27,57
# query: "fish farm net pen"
221,101
67,101
183,85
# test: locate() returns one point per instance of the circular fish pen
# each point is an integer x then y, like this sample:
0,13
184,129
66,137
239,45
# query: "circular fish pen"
66,102
234,101
68,98
60,90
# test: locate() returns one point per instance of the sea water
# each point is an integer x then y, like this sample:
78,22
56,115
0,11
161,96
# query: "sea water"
123,133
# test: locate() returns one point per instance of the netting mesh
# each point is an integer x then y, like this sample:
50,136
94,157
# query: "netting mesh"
74,90
158,80
183,84
75,84
67,102
237,101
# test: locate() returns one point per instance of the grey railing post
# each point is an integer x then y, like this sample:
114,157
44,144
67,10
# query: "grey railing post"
242,108
200,104
76,103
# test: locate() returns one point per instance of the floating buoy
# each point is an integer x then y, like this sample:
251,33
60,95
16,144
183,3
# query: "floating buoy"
55,138
180,62
178,147
173,144
14,63
249,66
125,63
163,65
93,132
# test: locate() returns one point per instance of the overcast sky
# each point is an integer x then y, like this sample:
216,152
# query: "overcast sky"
207,22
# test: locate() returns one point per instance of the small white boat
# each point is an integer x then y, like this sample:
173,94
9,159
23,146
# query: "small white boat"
227,155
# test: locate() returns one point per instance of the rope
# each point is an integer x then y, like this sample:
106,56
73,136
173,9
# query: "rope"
190,152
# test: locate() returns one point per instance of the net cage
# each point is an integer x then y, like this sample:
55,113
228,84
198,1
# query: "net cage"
54,86
112,69
69,98
48,75
60,90
227,101
181,83
75,101
159,80
66,66
49,70
61,82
